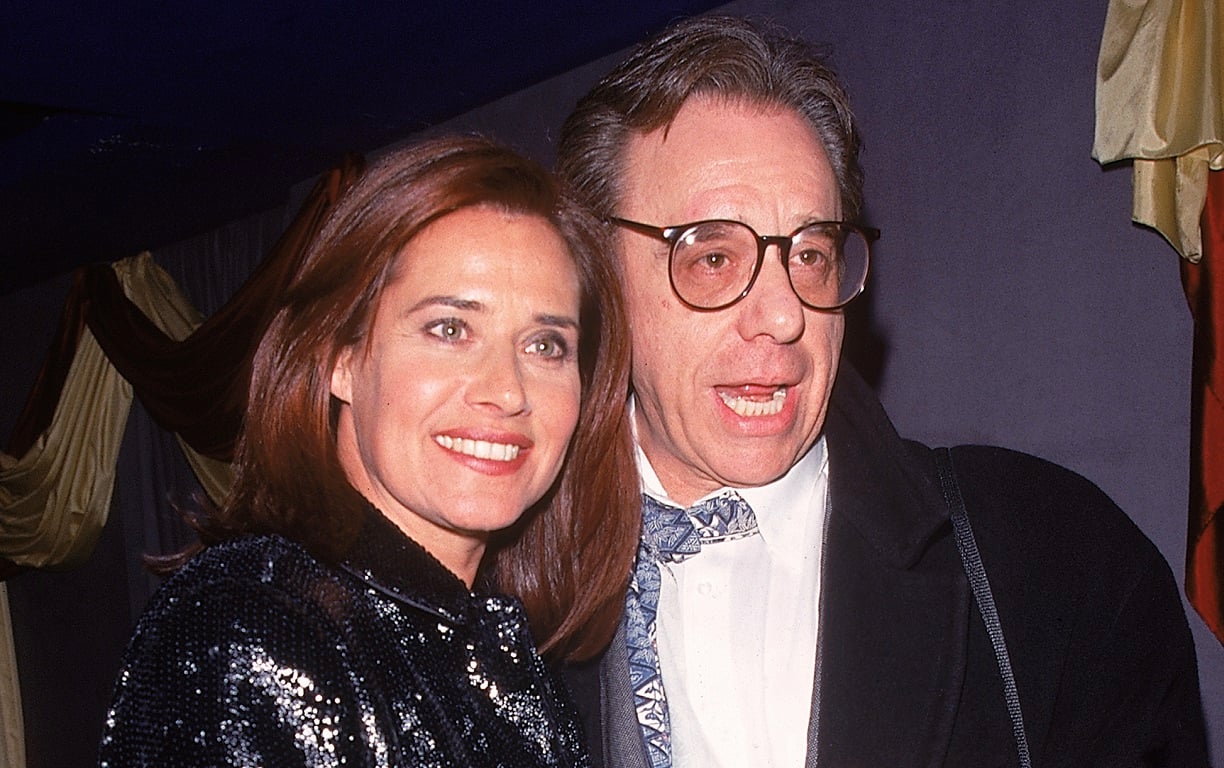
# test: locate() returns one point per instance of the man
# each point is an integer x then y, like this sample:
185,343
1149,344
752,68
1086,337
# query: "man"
816,611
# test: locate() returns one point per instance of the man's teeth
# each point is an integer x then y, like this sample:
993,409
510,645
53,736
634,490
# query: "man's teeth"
481,449
746,407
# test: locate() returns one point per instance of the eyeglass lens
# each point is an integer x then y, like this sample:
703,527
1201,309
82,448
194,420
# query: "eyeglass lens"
714,262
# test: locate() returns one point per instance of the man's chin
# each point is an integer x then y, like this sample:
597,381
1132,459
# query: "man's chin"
750,474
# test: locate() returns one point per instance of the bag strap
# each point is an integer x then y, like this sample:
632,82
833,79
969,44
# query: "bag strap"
971,560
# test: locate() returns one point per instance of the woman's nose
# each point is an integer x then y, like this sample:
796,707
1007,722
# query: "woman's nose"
499,383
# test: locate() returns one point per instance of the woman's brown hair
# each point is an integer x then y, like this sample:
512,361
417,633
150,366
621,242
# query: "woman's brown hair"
568,559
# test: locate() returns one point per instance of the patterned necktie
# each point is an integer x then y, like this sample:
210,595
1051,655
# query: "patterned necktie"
669,534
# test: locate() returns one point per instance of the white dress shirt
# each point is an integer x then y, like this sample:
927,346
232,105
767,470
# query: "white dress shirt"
737,625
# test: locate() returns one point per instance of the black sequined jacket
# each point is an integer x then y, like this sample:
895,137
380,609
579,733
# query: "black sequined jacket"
256,654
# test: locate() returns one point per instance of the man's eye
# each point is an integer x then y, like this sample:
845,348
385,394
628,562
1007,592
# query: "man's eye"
704,262
449,329
811,257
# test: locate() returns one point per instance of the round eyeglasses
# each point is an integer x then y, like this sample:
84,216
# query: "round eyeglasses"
714,263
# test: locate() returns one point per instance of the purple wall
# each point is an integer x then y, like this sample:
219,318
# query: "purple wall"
1012,303
1016,302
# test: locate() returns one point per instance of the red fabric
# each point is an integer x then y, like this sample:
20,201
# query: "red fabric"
1204,284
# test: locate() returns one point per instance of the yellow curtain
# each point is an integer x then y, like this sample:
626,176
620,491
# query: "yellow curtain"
55,499
12,725
1160,101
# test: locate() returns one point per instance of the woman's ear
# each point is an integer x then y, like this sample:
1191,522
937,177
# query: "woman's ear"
342,376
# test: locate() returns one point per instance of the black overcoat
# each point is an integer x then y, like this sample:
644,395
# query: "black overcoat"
906,674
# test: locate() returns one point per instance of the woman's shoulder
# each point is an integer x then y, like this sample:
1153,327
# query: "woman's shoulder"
252,628
239,582
265,558
237,605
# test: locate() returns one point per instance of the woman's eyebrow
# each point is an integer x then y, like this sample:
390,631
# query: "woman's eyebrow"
562,321
447,301
472,305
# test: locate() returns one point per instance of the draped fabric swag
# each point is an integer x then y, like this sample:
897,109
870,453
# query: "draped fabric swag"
55,498
1160,103
126,328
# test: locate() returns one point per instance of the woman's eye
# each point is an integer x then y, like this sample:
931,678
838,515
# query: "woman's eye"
551,347
449,329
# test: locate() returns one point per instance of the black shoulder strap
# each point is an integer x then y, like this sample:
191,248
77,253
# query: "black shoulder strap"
972,563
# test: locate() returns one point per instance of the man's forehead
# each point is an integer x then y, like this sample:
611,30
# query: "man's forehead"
720,154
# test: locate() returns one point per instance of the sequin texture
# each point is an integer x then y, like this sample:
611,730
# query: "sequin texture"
256,654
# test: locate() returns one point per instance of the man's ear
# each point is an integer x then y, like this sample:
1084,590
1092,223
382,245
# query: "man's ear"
342,376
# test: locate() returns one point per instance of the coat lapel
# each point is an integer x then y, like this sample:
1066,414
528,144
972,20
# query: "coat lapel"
623,744
891,659
894,603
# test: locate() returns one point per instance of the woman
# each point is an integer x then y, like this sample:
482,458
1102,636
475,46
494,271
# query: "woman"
452,336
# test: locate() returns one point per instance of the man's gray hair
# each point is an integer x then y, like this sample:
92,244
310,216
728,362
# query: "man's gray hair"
720,56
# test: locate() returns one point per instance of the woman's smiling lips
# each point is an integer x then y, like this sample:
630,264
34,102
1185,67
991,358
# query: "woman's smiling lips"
486,453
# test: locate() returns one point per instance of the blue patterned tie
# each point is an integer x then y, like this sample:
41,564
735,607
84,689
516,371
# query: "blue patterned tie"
669,534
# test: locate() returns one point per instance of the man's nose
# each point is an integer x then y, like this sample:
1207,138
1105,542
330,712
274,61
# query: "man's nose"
772,308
